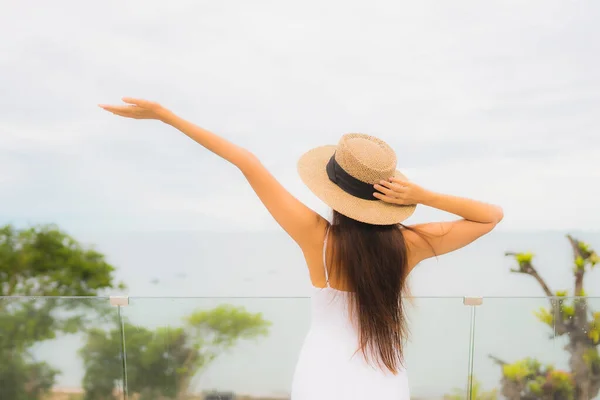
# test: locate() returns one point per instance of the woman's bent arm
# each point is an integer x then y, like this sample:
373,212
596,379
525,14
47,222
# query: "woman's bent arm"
437,238
470,210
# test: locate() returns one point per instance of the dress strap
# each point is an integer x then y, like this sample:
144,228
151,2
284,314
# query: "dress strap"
325,257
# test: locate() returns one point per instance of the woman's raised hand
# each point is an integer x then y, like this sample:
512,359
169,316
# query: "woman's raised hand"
397,191
138,109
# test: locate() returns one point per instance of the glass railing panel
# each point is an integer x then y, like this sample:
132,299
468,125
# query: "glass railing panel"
50,348
515,349
249,346
437,354
213,346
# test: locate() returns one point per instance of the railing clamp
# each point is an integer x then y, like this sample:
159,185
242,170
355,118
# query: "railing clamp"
472,300
122,301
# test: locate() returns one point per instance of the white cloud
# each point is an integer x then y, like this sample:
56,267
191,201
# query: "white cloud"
495,100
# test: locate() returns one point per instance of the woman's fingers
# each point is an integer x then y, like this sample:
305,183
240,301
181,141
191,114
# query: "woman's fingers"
394,186
397,184
392,192
135,108
388,199
114,108
399,181
137,102
384,198
385,190
123,111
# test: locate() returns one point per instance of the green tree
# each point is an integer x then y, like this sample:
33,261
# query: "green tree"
43,261
162,363
527,379
24,379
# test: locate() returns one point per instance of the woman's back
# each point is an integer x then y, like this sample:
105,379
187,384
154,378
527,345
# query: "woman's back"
330,365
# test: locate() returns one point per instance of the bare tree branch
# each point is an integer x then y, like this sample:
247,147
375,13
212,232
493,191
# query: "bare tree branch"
580,304
526,267
579,272
497,360
577,251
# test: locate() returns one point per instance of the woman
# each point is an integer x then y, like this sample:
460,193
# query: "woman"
359,262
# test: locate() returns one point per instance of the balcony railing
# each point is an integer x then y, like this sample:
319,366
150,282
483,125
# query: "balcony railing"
246,348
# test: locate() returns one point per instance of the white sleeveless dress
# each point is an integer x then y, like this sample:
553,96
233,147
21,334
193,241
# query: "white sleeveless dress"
329,367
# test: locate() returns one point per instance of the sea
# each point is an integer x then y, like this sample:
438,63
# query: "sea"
170,274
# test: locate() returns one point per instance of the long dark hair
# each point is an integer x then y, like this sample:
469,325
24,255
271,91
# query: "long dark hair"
372,262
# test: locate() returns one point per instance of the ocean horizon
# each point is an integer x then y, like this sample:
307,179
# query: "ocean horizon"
170,274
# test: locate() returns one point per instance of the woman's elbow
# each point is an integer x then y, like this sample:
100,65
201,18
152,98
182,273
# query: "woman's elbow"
247,162
498,215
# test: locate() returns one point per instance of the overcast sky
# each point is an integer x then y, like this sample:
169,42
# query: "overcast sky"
497,100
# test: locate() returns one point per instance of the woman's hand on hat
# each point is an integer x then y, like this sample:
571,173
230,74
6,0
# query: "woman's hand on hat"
397,191
138,109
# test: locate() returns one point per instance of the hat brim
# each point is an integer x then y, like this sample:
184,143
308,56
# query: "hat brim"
312,171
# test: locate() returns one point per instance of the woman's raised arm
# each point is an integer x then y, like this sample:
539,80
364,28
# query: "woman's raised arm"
299,221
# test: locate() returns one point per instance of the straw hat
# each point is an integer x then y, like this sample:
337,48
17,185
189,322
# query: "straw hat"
343,177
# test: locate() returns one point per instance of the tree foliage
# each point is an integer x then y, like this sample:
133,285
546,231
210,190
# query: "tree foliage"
161,363
21,378
43,261
566,316
527,379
